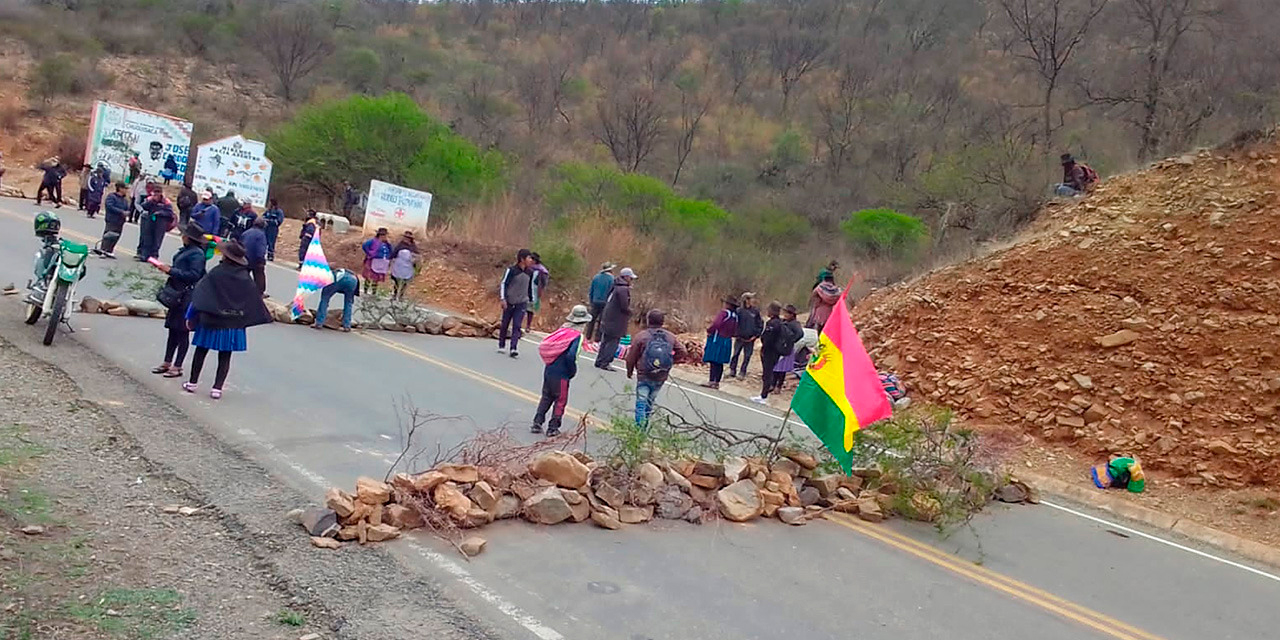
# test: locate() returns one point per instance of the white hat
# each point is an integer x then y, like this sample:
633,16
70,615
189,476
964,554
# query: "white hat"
579,315
628,273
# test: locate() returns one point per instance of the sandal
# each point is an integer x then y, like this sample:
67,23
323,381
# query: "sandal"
216,394
164,368
173,372
190,387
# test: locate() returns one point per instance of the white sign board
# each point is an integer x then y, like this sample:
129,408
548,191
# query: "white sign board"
118,132
233,164
396,208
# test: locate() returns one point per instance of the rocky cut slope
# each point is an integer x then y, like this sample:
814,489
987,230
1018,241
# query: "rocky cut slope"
1143,319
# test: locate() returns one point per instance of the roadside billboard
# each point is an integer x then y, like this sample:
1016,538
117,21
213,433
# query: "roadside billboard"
396,208
233,164
117,132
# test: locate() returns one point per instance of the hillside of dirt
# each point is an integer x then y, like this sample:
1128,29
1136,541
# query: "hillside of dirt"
1143,319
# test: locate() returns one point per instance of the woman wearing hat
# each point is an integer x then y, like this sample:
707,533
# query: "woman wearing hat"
185,272
559,352
377,261
404,265
720,341
223,305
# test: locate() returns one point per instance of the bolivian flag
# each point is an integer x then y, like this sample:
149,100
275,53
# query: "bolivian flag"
840,391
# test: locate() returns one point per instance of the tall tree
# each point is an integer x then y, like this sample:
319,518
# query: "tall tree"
1048,34
295,41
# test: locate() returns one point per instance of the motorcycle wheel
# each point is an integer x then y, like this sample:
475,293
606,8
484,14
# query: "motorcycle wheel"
60,296
33,313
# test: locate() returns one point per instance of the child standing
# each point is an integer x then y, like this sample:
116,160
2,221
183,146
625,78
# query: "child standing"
560,353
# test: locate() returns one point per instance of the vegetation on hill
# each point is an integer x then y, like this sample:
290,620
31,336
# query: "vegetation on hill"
721,144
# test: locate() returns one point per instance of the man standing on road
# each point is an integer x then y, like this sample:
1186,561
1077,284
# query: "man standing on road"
652,354
749,328
157,219
245,217
598,294
206,214
349,199
227,206
255,251
116,211
51,182
516,292
305,235
616,318
346,283
274,216
186,202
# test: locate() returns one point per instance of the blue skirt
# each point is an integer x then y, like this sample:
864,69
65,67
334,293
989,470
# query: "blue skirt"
718,349
220,339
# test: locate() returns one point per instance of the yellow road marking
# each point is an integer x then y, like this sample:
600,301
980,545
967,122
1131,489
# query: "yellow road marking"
999,582
1019,590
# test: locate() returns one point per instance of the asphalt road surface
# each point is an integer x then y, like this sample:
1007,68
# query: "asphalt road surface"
320,408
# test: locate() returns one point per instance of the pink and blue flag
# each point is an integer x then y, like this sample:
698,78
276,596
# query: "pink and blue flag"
314,276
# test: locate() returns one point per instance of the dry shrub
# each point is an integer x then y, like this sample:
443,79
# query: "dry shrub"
505,220
12,109
70,147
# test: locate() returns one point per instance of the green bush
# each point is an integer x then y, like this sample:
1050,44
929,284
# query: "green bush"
360,68
648,203
388,138
63,74
885,233
560,258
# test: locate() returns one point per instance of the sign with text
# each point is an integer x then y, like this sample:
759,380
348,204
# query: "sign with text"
118,132
234,164
396,207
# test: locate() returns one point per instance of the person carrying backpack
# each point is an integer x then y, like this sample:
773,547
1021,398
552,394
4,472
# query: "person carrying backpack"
559,352
652,353
1077,177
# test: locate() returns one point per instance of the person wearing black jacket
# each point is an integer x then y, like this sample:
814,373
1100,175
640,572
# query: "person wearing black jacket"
615,319
187,200
187,270
116,209
51,182
223,305
777,340
227,207
749,327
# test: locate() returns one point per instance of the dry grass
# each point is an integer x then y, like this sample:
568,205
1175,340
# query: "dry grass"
506,220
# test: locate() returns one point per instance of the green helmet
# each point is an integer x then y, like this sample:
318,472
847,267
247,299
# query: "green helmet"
47,224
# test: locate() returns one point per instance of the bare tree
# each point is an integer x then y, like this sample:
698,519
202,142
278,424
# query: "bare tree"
1048,33
295,41
694,104
841,111
739,54
629,123
542,85
793,52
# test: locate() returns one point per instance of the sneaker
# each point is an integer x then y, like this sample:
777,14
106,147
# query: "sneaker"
502,351
109,256
515,354
760,400
537,428
729,376
551,433
189,387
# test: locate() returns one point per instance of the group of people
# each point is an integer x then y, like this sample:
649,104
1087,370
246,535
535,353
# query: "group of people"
401,262
520,296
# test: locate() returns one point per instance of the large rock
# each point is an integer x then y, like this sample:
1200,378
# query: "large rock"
449,499
460,473
547,507
90,304
705,468
809,496
483,495
320,522
1117,339
673,503
611,495
735,469
826,485
802,458
427,482
340,502
673,477
434,323
370,491
792,515
118,311
402,517
560,468
402,482
381,532
740,501
787,466
322,542
631,514
705,482
606,519
869,509
473,546
507,506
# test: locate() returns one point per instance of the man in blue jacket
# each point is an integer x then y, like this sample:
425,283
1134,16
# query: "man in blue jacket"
255,249
274,216
601,285
206,214
116,208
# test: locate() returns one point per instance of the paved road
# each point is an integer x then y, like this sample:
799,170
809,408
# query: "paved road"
320,408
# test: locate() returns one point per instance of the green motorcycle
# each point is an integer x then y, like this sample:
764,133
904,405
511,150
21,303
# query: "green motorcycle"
59,265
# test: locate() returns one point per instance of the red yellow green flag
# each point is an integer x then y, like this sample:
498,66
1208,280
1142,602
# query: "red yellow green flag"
840,390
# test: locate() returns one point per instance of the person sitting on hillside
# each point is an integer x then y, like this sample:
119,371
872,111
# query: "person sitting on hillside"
1078,178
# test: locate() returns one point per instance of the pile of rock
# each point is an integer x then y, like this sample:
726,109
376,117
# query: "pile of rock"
433,322
559,486
136,308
